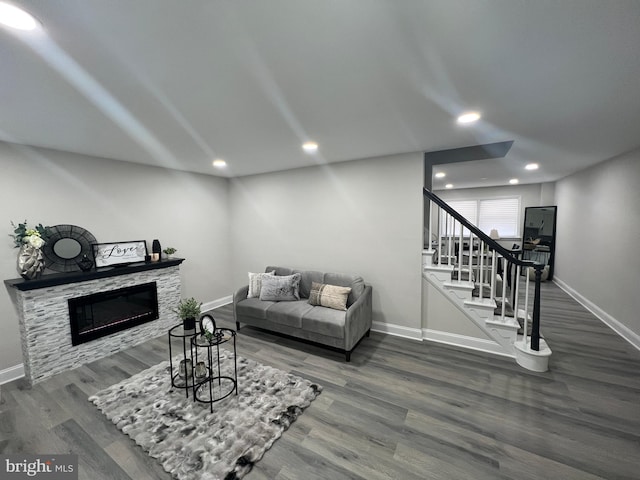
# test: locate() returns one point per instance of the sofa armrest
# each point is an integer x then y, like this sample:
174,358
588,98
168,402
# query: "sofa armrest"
239,295
358,319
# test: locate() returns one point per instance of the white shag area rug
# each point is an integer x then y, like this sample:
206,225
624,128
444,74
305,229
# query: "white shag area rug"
188,440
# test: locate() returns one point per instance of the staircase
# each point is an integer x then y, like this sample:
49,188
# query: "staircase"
482,279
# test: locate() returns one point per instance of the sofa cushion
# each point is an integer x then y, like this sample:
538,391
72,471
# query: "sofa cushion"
330,296
308,277
253,307
325,321
289,313
282,271
255,283
355,282
281,288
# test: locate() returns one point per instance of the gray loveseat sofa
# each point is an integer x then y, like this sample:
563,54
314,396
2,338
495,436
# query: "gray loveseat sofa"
335,328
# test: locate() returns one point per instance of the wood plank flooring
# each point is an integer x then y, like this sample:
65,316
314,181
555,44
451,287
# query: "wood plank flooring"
399,410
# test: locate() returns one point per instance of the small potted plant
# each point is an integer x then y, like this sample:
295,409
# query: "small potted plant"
169,251
188,310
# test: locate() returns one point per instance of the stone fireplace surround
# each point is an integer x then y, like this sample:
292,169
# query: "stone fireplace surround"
43,315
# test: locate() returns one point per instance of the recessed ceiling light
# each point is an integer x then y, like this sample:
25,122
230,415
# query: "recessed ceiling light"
219,163
440,175
449,185
310,147
468,117
514,181
531,166
15,17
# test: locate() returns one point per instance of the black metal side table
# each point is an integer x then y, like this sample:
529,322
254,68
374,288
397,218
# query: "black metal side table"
213,386
182,379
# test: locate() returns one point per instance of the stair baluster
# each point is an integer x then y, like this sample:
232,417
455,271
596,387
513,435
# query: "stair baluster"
481,261
460,244
516,302
493,275
504,291
525,322
470,257
438,246
449,238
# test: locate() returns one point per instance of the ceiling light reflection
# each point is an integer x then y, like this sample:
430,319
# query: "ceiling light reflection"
17,18
219,163
310,147
468,117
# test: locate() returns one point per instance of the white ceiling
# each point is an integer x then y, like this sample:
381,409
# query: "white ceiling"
179,83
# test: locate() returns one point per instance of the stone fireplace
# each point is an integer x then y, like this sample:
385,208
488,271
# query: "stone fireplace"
43,305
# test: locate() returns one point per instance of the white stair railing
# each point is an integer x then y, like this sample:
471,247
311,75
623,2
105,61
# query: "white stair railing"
482,267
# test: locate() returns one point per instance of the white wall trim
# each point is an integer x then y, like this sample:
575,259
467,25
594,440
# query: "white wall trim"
397,330
615,325
216,303
12,373
471,343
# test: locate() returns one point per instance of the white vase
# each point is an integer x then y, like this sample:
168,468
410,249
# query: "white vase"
30,262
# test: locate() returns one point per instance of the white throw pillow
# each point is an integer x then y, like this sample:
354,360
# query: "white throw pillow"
255,283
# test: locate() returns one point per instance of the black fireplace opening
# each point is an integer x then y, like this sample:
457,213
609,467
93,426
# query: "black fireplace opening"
101,314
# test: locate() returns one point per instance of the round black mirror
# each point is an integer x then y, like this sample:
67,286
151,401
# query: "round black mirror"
66,246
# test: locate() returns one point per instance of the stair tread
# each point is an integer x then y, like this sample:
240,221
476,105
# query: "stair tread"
485,302
439,268
459,284
544,347
508,321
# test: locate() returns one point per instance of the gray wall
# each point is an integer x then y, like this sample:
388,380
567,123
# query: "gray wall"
115,201
598,233
362,217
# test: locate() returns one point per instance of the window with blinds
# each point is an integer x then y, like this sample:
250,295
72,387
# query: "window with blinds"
467,208
501,214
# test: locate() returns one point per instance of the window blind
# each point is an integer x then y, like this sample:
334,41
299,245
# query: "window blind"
501,214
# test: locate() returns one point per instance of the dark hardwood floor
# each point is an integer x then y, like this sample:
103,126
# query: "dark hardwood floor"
399,410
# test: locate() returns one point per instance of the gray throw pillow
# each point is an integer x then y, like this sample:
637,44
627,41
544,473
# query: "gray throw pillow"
281,288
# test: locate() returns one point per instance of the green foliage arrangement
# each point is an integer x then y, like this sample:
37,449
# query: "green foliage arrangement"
188,308
36,237
169,251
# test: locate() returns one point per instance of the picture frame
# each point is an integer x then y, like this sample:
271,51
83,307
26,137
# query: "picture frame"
207,324
119,253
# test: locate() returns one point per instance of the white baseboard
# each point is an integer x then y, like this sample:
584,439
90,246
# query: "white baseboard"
12,373
216,303
615,325
471,343
397,330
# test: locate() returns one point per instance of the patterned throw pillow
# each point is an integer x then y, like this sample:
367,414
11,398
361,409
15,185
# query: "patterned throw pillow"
255,283
330,296
281,288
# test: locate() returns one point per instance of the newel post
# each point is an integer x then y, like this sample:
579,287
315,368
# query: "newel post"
535,326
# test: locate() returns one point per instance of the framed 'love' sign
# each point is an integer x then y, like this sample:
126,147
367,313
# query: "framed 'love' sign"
119,253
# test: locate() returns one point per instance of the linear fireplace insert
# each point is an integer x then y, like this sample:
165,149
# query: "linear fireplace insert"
100,314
